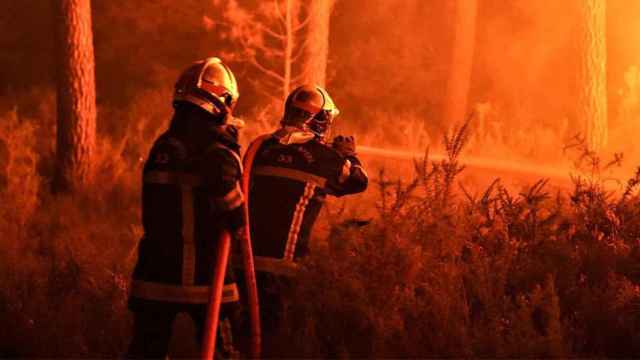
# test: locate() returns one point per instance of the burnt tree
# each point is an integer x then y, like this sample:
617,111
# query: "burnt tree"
455,107
76,98
592,106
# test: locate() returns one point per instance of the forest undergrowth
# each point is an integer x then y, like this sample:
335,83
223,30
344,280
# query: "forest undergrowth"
439,271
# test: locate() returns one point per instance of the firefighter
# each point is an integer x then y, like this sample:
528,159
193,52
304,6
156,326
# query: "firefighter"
190,194
290,173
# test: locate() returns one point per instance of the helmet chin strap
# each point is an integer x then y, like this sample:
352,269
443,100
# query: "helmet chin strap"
320,136
227,115
326,135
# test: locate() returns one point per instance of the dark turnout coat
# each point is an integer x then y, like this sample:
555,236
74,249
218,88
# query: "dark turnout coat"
190,194
289,181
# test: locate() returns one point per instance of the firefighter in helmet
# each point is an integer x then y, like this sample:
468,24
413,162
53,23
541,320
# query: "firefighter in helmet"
190,194
290,173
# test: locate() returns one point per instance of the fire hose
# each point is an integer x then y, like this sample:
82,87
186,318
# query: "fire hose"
224,245
213,312
250,274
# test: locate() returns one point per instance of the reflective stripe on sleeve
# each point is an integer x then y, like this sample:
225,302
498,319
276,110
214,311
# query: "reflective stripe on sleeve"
180,294
292,174
230,201
230,293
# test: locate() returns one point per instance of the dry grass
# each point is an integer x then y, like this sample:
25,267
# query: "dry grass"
65,259
440,270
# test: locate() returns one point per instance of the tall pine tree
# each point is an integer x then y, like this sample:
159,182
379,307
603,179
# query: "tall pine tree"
592,107
76,97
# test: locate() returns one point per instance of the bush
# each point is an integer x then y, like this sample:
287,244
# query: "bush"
65,259
439,271
444,273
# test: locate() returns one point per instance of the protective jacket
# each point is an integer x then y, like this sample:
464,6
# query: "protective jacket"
190,194
291,175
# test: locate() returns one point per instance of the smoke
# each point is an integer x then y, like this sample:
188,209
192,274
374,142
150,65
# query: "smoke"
388,66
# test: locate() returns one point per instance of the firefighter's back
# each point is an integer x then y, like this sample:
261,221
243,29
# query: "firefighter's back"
162,212
289,185
180,221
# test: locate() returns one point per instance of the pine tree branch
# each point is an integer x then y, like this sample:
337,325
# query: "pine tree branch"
299,79
265,70
279,13
267,90
270,32
269,52
299,51
302,24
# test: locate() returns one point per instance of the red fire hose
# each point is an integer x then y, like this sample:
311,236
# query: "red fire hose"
249,270
213,313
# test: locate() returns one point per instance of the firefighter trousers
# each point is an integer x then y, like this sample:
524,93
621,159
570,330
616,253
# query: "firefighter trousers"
153,323
271,290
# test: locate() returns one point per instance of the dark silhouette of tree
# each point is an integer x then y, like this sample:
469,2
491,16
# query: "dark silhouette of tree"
76,98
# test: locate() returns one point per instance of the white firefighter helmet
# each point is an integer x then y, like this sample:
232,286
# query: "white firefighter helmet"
209,84
310,107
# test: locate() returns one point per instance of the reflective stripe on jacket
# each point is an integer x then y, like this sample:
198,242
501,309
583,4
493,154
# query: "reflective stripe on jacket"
289,182
188,198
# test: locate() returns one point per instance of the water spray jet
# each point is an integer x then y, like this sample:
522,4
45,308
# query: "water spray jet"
550,172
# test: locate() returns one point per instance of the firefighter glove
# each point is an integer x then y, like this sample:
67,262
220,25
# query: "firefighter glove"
345,145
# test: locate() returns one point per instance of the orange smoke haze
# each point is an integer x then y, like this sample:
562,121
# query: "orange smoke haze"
422,263
390,64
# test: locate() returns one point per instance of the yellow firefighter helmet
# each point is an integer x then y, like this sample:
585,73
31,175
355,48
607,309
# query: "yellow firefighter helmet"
209,84
310,107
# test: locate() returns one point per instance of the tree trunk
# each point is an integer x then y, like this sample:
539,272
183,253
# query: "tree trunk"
76,98
317,42
455,108
592,109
